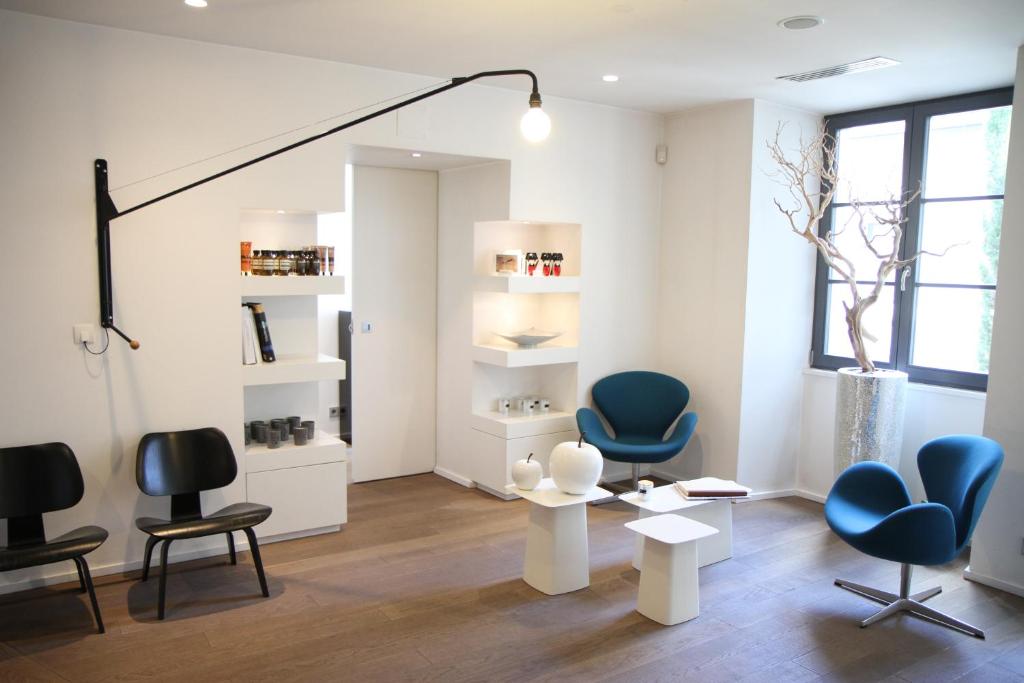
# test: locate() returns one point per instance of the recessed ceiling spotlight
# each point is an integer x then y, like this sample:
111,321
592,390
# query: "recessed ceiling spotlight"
196,3
609,78
416,155
280,210
801,22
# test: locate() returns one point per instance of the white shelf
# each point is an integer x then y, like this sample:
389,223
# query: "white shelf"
518,426
526,284
299,285
288,369
514,357
323,449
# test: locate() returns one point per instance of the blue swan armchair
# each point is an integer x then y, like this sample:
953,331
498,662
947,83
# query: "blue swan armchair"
870,508
640,406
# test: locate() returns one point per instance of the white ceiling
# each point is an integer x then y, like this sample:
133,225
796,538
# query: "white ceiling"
670,54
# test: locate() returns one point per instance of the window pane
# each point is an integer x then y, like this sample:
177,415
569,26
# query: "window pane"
966,155
968,233
846,235
870,161
953,328
877,322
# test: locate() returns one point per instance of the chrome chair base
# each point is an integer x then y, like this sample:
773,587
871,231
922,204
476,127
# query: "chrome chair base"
619,488
904,602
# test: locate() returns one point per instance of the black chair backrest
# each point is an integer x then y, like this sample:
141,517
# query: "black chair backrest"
38,479
174,463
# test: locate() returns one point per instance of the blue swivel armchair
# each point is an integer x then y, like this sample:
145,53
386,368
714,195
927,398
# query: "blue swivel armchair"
870,508
640,407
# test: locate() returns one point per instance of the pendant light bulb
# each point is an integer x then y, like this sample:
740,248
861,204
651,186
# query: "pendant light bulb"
535,125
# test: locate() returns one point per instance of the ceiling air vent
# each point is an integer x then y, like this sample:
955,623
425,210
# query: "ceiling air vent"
851,68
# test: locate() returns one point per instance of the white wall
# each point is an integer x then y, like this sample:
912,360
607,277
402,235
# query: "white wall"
735,293
996,555
931,412
148,103
394,249
702,286
487,187
778,313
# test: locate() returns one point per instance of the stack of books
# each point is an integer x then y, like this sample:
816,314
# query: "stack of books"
711,487
256,344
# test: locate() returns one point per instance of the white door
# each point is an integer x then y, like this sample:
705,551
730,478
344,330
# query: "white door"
394,313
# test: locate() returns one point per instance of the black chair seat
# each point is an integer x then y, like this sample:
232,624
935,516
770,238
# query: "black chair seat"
67,547
232,518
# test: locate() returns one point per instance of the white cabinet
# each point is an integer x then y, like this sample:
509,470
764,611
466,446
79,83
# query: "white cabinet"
306,499
505,304
306,485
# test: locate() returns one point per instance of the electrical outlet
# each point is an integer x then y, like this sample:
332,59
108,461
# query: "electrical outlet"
334,411
85,333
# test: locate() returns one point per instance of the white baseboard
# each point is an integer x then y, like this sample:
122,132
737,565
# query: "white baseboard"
116,567
992,582
809,495
241,544
457,478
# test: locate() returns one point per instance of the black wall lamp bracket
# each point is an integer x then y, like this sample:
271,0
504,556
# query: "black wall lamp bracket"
107,211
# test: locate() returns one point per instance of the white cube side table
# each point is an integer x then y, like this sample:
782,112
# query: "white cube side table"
669,587
715,513
557,553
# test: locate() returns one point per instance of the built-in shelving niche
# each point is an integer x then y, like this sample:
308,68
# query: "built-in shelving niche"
306,485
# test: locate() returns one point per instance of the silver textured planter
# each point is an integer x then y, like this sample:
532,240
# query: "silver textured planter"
869,417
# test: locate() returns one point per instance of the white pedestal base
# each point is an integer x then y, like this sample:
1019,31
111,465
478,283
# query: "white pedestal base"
711,549
669,589
557,555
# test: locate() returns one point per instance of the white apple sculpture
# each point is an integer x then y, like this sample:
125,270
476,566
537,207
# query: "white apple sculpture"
576,466
526,474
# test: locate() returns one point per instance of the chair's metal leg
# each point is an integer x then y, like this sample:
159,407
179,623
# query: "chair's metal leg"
231,548
163,579
636,476
917,609
83,572
254,547
892,609
908,603
924,595
150,542
868,592
81,579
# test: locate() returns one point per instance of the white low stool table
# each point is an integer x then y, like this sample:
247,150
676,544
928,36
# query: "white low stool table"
716,513
557,553
669,588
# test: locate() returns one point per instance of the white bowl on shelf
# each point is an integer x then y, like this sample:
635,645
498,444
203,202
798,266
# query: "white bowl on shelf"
528,339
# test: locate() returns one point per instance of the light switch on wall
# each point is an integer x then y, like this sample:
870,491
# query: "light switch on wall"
366,327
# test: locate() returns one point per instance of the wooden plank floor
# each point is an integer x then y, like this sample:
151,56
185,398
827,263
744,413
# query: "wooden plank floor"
423,584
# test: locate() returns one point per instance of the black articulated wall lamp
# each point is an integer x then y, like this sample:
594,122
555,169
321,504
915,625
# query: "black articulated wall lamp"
535,127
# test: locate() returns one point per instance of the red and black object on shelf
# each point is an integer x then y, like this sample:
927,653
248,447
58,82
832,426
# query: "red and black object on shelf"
546,260
531,262
556,264
262,332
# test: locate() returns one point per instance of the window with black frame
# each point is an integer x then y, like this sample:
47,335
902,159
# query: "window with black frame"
934,320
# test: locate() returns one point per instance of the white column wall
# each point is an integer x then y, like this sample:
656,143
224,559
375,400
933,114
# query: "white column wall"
997,554
703,269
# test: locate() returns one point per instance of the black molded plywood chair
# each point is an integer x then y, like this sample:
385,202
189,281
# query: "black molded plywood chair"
38,479
181,465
